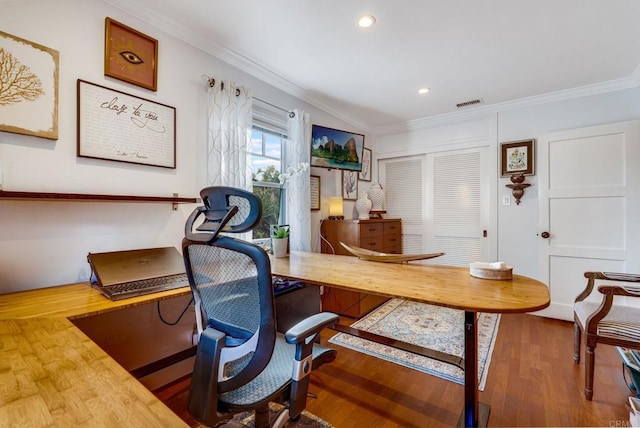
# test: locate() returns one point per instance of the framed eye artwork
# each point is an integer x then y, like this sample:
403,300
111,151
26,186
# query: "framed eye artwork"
130,55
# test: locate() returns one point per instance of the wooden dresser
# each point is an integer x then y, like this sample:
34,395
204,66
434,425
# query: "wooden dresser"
383,235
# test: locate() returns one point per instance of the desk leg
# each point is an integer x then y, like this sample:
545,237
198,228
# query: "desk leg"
475,414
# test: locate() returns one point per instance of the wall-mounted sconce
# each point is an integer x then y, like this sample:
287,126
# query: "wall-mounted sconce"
518,186
336,208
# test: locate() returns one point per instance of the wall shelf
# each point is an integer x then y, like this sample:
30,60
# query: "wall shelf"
84,197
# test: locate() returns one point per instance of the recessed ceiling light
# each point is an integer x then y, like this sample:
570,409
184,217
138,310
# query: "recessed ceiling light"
423,90
366,21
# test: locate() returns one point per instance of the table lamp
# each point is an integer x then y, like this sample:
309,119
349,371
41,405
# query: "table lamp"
335,208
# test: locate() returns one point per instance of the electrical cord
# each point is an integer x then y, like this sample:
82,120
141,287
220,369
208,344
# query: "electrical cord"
179,318
333,250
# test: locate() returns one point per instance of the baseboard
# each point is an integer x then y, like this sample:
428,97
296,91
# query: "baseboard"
558,311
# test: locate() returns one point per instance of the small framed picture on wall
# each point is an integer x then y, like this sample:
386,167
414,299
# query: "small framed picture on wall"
517,157
350,185
314,192
365,174
130,55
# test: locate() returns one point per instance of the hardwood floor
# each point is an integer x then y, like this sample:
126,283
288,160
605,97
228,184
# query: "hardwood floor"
532,381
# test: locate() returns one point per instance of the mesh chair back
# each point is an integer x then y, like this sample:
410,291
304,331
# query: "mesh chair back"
231,282
226,283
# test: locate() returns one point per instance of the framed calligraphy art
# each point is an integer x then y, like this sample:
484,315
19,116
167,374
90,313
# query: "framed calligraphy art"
120,127
518,157
28,88
130,55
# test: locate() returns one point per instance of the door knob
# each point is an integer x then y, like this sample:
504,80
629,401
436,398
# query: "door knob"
545,235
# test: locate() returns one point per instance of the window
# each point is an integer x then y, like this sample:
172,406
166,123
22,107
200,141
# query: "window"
267,153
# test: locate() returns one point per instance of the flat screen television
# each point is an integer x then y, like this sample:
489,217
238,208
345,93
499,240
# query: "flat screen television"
335,149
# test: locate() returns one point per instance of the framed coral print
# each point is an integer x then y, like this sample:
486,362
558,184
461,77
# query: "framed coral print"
28,88
365,174
518,157
130,55
350,185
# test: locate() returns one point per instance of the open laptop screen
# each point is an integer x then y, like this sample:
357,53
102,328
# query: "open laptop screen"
123,274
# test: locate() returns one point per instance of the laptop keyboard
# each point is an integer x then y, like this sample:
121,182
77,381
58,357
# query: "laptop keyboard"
146,286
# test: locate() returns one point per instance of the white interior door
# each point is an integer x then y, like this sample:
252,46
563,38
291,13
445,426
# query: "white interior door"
588,202
458,206
403,181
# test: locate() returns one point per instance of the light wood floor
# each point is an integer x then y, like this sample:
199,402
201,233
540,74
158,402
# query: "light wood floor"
532,381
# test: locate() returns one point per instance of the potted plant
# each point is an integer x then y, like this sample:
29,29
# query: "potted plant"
280,240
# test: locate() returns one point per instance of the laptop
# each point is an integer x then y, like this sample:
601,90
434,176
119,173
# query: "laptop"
124,274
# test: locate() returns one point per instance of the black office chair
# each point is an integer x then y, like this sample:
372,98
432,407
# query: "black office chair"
242,363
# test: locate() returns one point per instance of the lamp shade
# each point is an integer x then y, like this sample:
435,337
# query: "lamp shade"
335,206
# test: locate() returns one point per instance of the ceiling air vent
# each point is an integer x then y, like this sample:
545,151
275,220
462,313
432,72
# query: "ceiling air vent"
469,103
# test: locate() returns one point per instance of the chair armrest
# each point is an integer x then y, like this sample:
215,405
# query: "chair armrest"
615,276
608,291
310,327
609,276
619,290
204,384
302,335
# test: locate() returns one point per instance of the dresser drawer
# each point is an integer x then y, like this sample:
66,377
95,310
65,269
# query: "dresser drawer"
393,228
393,241
374,243
368,230
393,248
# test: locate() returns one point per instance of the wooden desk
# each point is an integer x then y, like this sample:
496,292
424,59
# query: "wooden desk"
52,374
37,341
71,301
437,285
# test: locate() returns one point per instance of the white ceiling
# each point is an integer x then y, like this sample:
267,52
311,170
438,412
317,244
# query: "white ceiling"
494,50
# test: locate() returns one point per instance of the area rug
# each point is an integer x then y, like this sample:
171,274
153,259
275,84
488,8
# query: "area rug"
432,327
307,420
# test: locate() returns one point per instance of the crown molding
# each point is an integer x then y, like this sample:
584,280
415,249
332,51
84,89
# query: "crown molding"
482,111
257,70
216,49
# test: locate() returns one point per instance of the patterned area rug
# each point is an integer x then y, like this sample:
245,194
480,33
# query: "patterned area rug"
307,420
433,327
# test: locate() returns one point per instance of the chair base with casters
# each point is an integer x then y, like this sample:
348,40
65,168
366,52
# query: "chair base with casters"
605,322
274,382
242,363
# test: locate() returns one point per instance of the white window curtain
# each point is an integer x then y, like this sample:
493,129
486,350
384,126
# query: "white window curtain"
229,135
298,198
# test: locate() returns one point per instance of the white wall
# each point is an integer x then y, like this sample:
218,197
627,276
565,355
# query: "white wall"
46,243
517,225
